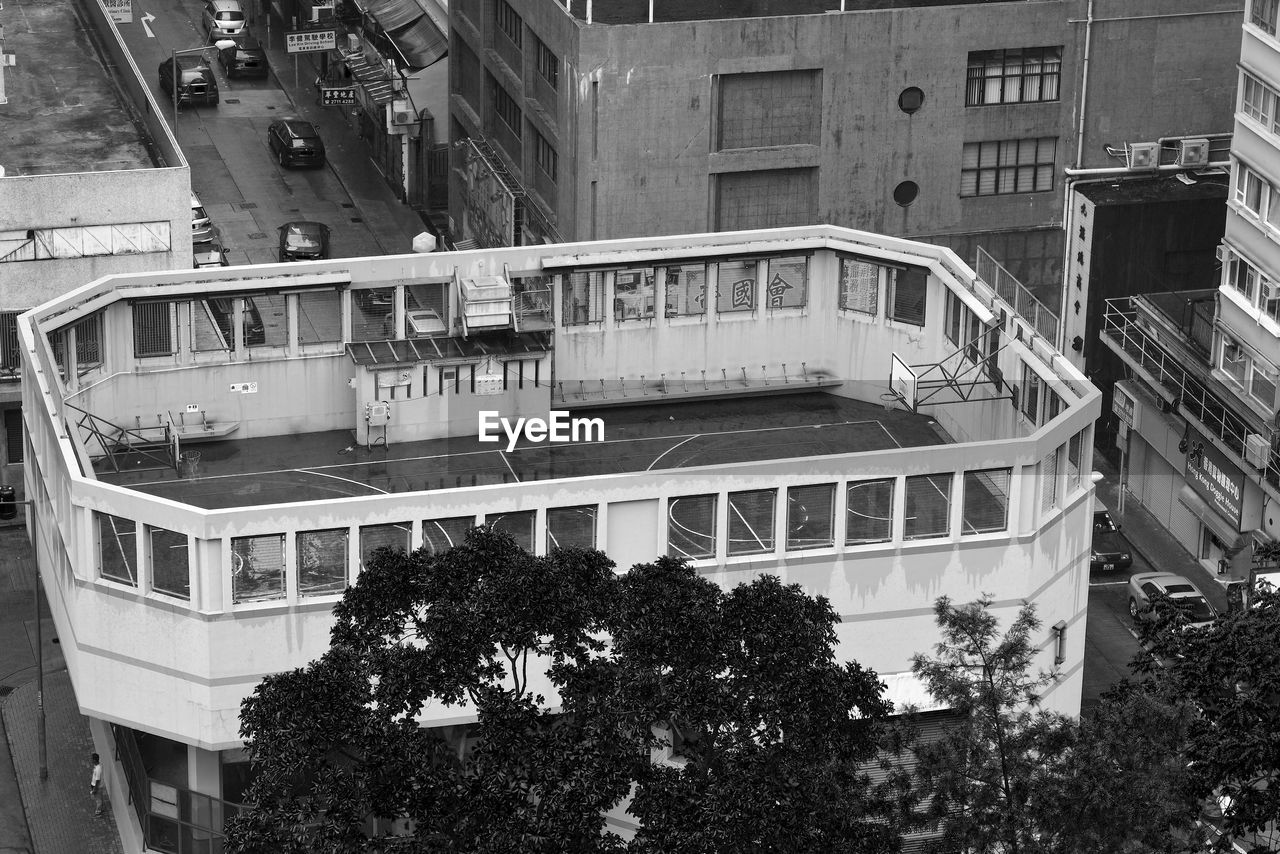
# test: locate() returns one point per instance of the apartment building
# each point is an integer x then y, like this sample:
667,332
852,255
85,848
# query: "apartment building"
858,414
1199,413
961,123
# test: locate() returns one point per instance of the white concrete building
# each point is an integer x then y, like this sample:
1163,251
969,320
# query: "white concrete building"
743,382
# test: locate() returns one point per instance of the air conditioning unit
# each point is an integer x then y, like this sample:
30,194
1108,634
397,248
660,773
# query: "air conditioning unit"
402,113
1256,450
1142,155
1222,253
1193,152
1270,289
353,43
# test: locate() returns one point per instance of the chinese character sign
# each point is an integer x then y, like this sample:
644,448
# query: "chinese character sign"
787,279
736,286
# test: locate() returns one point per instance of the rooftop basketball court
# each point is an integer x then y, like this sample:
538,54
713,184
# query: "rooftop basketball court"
660,436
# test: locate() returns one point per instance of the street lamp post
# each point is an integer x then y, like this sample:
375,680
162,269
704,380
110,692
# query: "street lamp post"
8,510
221,44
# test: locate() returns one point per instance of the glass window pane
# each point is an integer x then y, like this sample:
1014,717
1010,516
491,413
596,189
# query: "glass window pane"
211,321
787,282
736,286
322,562
986,501
373,314
265,321
440,535
571,527
751,522
519,525
633,294
117,548
170,569
1075,448
811,516
907,300
319,317
691,526
928,508
686,290
374,537
583,297
257,568
1049,480
859,285
869,512
427,308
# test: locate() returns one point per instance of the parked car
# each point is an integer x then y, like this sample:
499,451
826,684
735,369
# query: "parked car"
245,59
197,84
223,18
302,240
1146,586
1109,549
295,142
210,255
201,227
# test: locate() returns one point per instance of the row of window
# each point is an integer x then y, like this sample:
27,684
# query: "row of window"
511,26
862,281
1002,167
1255,377
1260,102
1263,13
1258,290
1019,76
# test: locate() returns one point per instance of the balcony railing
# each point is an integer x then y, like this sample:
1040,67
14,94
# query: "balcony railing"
1017,295
1193,397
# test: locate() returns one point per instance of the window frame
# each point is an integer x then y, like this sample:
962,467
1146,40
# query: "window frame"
1039,65
545,156
547,63
1263,15
509,23
998,163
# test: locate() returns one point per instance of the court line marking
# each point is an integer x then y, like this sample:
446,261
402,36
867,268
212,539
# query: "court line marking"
509,468
669,450
892,438
337,477
460,454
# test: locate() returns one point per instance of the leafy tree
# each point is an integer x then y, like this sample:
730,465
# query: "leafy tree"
773,734
982,772
1229,675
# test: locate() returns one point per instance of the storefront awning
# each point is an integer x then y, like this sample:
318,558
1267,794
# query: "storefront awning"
1221,528
410,30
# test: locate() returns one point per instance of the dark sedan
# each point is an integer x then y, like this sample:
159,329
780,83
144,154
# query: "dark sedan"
302,240
1109,549
245,59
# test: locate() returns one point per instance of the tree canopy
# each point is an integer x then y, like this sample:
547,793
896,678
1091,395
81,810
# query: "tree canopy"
765,738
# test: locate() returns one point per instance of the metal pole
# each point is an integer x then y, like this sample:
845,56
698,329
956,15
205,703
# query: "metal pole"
175,80
35,603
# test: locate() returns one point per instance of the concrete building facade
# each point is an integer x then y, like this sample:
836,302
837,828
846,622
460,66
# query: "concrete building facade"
858,414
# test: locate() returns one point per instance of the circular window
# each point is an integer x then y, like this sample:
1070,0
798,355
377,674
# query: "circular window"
906,192
911,99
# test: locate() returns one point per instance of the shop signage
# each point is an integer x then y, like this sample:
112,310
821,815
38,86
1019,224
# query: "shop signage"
121,11
1214,478
1122,404
488,207
337,96
311,40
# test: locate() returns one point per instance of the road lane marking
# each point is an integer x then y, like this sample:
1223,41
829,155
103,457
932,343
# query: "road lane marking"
146,21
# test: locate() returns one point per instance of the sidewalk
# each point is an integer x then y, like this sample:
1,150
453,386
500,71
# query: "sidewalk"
1153,541
393,223
55,815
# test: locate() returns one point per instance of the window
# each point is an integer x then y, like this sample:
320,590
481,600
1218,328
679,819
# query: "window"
170,569
751,522
633,294
986,501
869,512
583,298
1251,190
1234,362
928,507
545,156
257,568
811,517
518,525
1030,399
786,281
153,333
373,314
1258,101
322,562
691,526
1262,14
1244,277
762,109
15,449
907,296
440,535
117,548
548,64
1049,480
1262,384
571,527
1059,642
735,286
859,286
87,334
1008,166
319,317
1075,451
374,537
265,323
505,106
686,290
211,324
10,361
1021,76
509,23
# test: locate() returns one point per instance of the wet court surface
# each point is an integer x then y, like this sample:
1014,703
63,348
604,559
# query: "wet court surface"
660,436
